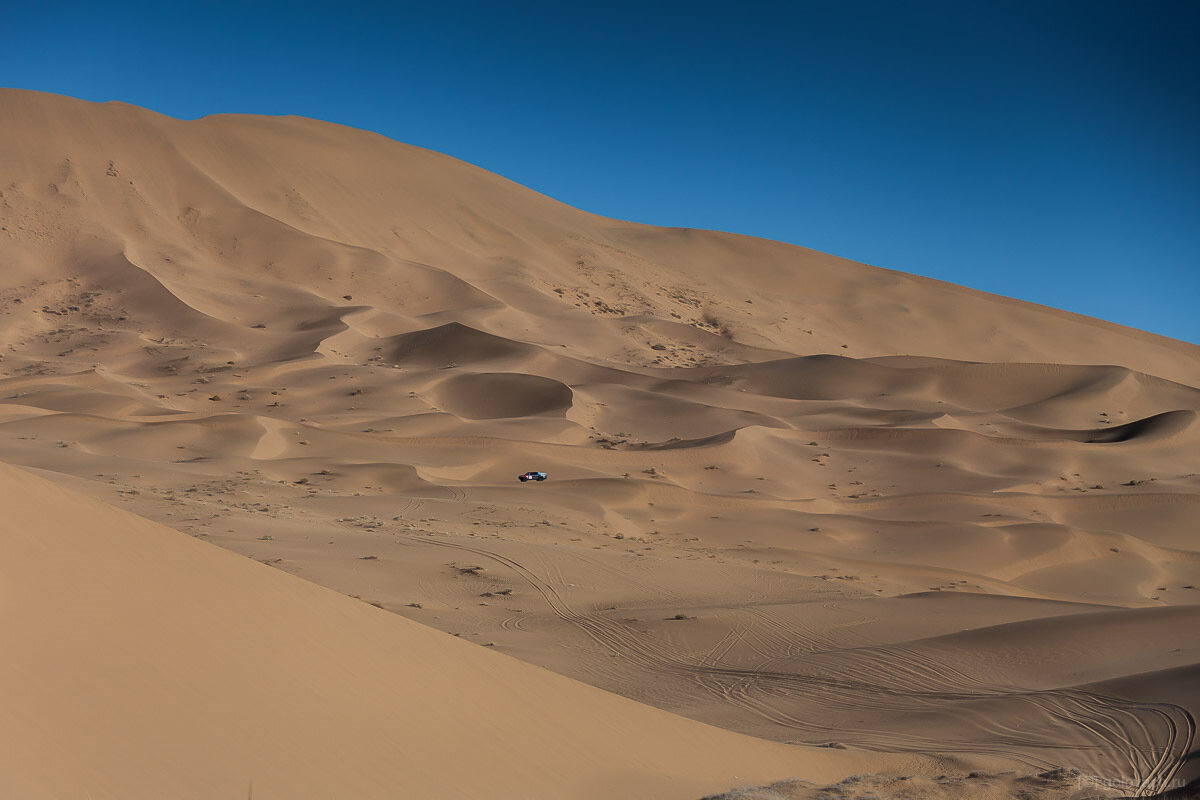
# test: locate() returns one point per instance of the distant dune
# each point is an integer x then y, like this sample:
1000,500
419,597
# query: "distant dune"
930,530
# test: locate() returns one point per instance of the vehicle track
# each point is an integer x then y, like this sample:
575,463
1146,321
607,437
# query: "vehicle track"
897,679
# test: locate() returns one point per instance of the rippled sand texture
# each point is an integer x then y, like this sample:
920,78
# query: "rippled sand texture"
790,495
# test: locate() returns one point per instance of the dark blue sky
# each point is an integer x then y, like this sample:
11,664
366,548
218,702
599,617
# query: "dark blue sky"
1043,150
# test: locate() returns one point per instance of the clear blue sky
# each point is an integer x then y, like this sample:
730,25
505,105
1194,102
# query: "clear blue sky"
1043,150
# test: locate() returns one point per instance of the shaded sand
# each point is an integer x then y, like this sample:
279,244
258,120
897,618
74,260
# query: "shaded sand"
790,495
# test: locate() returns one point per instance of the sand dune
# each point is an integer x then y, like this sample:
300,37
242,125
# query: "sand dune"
791,496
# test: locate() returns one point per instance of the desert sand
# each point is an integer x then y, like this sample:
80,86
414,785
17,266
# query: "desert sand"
864,522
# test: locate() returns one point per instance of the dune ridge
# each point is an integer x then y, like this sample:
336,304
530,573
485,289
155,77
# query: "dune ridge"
790,495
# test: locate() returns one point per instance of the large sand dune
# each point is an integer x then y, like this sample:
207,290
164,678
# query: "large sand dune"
790,495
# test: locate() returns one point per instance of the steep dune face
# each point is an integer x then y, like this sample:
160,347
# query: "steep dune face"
790,495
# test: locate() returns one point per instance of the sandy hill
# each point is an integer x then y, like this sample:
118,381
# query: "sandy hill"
790,495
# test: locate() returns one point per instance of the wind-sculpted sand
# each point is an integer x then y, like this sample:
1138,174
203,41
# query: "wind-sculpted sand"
930,530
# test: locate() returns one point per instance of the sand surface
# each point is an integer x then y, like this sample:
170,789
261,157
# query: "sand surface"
795,497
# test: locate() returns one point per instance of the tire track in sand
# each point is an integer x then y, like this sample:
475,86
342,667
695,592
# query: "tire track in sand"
899,679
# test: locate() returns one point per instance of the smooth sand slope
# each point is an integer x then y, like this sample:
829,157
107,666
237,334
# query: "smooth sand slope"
142,664
790,495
